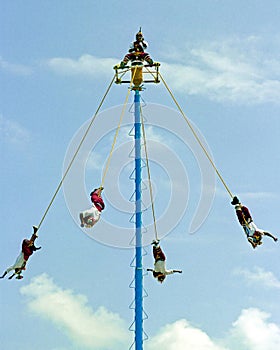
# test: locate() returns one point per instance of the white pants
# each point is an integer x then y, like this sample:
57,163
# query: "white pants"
18,264
91,216
159,266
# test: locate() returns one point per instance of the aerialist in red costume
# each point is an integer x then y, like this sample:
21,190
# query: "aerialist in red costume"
27,249
90,216
253,233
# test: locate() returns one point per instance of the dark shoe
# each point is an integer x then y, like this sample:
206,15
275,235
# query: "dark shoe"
35,229
235,201
82,220
4,274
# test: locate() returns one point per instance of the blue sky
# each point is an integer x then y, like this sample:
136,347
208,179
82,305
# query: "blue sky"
221,61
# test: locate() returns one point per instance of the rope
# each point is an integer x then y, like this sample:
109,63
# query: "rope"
117,131
154,75
149,176
197,138
75,154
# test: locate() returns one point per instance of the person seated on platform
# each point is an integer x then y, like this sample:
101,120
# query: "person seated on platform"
137,51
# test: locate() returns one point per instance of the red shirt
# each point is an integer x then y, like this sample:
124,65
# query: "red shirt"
244,216
26,249
97,201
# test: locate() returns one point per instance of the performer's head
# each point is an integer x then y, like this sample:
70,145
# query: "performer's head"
28,242
139,35
159,276
238,207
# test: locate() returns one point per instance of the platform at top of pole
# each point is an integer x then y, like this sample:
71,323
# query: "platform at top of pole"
140,74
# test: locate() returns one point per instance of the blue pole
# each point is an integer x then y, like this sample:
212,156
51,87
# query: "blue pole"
138,225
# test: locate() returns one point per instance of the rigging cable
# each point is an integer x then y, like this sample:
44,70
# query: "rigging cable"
149,175
197,138
75,154
117,131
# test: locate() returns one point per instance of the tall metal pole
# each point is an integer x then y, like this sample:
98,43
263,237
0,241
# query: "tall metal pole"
138,227
137,82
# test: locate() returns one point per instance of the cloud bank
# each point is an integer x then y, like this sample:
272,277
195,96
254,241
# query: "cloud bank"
14,68
70,312
181,336
102,329
235,70
253,331
239,71
259,276
85,65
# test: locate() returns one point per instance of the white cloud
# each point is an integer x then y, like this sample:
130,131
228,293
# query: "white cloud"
18,69
84,65
153,134
95,161
181,336
238,71
70,312
252,331
258,195
222,84
235,70
13,132
102,329
259,276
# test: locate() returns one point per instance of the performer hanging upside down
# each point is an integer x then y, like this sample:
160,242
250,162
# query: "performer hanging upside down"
137,51
27,250
253,233
159,271
90,216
